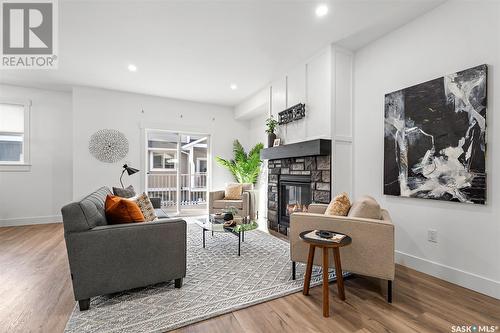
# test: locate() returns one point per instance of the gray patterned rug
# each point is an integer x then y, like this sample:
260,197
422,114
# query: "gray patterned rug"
217,282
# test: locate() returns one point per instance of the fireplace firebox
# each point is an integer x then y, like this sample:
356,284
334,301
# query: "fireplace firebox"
294,196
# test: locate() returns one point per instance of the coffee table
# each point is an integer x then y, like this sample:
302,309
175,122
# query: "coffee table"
213,224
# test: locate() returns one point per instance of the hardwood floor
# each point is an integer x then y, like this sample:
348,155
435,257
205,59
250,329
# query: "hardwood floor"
35,285
36,296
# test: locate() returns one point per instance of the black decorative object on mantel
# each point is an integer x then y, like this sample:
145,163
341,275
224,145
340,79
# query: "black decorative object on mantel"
270,139
293,113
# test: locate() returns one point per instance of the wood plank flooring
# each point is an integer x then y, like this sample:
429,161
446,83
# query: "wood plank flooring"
35,285
36,296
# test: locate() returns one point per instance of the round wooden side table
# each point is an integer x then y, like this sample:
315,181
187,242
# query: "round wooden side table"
325,244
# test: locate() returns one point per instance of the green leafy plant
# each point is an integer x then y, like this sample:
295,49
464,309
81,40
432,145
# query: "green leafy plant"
271,124
244,167
231,209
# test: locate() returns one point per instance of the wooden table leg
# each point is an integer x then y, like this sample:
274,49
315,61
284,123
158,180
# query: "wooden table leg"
338,272
326,305
307,279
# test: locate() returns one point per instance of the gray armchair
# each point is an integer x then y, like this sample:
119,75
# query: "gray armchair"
104,258
246,206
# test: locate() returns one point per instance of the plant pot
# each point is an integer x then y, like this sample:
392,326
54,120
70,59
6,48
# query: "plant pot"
270,139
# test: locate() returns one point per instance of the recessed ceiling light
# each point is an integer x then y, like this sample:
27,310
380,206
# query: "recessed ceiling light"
321,10
132,68
233,86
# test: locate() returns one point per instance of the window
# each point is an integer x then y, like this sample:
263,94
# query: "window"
163,160
201,164
14,135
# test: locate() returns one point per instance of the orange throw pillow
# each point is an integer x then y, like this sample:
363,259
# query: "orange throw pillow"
120,210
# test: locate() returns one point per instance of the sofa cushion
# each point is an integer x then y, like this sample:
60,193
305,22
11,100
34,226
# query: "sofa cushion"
146,207
87,213
221,204
339,205
233,191
93,207
366,207
120,210
128,192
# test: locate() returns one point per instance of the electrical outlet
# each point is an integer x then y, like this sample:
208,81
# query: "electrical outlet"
432,235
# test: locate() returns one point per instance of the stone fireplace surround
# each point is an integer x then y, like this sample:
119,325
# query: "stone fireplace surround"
317,166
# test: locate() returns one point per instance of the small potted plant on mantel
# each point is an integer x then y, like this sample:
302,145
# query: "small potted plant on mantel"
271,124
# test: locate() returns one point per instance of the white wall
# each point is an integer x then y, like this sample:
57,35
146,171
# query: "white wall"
36,196
455,36
254,105
341,120
309,83
95,109
323,82
257,133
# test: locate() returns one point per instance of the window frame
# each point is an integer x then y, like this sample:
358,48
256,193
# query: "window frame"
198,159
163,151
24,165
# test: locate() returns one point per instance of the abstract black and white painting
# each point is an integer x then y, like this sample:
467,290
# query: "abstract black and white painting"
435,139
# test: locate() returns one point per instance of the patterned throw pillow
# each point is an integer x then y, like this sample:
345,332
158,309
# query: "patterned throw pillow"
146,207
233,191
339,206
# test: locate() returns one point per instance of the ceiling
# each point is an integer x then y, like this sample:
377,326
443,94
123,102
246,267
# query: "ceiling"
196,49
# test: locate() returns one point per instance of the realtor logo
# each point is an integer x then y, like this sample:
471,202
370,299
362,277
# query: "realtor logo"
29,34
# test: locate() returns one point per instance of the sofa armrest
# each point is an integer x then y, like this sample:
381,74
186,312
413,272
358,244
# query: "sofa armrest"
317,208
252,203
245,198
212,196
113,258
370,253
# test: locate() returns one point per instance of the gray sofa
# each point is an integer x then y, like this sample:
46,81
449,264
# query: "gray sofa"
105,259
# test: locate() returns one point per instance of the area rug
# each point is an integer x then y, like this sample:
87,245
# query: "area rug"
217,282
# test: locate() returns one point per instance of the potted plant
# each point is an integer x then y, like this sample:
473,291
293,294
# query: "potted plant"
271,124
244,167
230,213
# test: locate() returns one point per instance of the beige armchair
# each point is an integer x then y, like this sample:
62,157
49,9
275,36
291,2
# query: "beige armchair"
371,252
245,205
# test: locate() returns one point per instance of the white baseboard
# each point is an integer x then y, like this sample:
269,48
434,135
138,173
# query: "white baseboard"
462,278
30,220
